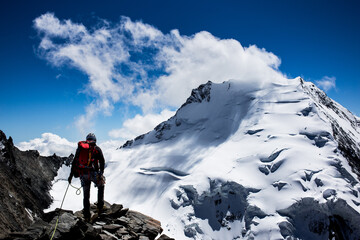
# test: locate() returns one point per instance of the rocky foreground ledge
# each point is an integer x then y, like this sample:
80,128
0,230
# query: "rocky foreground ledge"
114,223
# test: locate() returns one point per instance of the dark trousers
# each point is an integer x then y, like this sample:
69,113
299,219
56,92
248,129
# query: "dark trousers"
86,180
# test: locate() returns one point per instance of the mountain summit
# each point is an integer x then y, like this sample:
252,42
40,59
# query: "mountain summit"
246,161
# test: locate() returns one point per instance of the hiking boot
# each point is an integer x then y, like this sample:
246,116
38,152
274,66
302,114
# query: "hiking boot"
94,217
102,209
87,219
87,216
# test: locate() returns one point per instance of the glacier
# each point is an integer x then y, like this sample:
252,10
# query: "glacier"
242,161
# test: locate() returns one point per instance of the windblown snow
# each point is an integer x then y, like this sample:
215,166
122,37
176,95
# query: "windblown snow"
239,162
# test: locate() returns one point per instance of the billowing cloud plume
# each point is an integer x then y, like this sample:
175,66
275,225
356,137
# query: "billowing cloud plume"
140,124
203,57
49,144
326,83
136,64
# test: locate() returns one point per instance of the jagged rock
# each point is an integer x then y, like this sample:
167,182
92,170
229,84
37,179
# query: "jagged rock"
33,232
25,181
309,219
165,237
192,229
161,128
112,228
122,231
224,203
104,236
127,144
264,169
123,221
318,182
115,210
144,225
123,212
329,193
272,157
279,185
108,225
199,94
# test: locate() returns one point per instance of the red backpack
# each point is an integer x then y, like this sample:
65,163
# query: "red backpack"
86,157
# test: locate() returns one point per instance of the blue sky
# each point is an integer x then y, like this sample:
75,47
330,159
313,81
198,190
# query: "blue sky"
317,40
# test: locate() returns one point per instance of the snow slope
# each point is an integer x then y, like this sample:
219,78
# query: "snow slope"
242,161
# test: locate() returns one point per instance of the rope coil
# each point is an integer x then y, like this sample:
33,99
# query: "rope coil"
78,190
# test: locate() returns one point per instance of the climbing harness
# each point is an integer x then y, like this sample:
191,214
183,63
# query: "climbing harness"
78,192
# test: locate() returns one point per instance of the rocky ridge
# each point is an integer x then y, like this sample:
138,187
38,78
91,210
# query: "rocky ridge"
25,181
346,136
115,222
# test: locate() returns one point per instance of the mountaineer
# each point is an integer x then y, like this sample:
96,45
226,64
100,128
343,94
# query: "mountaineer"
88,164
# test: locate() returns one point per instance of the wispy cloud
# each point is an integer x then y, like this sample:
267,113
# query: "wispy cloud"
136,64
326,83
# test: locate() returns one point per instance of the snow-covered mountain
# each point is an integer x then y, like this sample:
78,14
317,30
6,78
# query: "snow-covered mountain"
243,161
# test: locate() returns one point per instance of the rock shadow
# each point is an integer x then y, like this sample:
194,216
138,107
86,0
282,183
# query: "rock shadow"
309,219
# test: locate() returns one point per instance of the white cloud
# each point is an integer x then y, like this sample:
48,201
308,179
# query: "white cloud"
326,83
140,125
108,147
53,27
142,33
49,144
119,60
203,57
95,53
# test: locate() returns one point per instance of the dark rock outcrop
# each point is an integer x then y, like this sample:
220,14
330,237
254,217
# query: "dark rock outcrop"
309,219
199,94
25,181
114,223
225,202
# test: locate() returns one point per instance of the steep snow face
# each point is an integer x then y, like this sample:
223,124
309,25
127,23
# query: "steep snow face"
210,115
242,162
345,126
